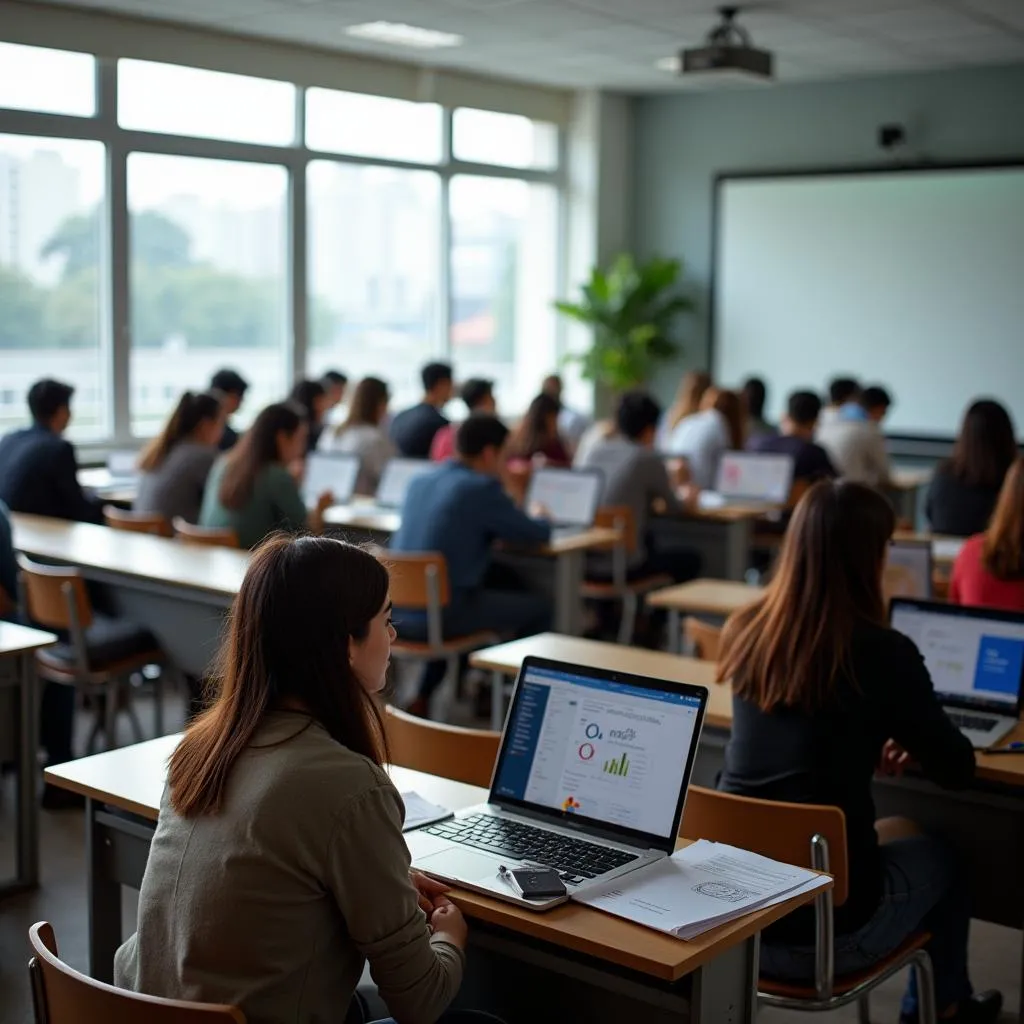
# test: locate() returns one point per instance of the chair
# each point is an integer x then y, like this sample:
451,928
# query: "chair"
210,536
60,995
630,592
703,640
465,755
137,522
810,836
99,653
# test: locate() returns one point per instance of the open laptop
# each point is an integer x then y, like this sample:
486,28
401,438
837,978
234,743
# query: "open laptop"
336,473
123,465
908,569
751,478
571,496
395,480
975,657
590,780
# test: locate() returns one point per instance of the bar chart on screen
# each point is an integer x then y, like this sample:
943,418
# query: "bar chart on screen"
617,766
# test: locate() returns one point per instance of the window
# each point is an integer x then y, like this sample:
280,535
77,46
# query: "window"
508,140
51,275
348,122
374,256
207,280
209,104
503,279
51,81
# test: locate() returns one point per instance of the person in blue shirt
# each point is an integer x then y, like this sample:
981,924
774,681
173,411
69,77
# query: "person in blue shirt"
460,510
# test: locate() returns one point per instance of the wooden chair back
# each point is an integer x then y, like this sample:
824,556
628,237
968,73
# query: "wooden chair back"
773,829
411,573
137,522
704,639
47,588
61,995
210,536
465,755
618,517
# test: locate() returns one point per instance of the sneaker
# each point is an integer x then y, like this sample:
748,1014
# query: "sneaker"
981,1008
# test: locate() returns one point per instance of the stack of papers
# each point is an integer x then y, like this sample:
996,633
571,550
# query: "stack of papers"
420,812
699,888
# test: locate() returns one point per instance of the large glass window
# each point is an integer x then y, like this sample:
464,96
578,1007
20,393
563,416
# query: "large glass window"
51,81
51,277
207,278
507,140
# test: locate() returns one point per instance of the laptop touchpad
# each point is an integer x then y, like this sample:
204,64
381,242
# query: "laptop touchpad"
461,865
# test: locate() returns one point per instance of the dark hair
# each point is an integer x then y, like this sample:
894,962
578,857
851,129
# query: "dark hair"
875,397
730,405
435,373
637,412
480,431
230,382
985,446
842,390
790,646
256,448
192,410
552,385
305,393
1003,549
364,408
688,397
47,397
475,391
334,378
536,429
754,394
803,408
301,604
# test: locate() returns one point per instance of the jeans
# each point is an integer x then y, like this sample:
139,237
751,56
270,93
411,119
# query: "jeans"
921,891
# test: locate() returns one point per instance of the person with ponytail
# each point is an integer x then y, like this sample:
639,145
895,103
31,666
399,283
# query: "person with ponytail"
175,464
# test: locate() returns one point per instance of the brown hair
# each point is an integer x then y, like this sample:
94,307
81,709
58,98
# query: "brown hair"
985,446
534,429
687,401
364,410
191,411
788,648
1002,553
301,604
256,449
731,406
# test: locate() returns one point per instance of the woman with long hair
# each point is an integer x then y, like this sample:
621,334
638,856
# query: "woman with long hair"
251,489
312,396
537,434
362,433
688,399
278,867
823,692
965,487
703,438
174,466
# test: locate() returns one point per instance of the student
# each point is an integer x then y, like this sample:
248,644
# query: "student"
362,433
703,438
796,438
841,391
823,692
965,487
278,866
460,510
572,425
38,468
250,489
335,383
413,430
755,394
854,439
537,435
686,403
232,386
478,396
175,464
989,570
311,395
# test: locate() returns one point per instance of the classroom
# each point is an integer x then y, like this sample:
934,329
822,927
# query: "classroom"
511,511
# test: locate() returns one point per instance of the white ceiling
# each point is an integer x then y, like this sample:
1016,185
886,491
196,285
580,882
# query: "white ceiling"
614,43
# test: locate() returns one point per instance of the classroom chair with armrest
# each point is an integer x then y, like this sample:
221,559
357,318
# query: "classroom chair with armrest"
465,755
61,995
810,836
210,536
99,653
137,522
702,639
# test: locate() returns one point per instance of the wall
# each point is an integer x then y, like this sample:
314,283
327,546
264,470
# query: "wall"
682,142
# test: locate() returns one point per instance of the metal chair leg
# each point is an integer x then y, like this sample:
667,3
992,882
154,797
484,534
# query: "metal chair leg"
927,1012
627,625
864,1010
110,714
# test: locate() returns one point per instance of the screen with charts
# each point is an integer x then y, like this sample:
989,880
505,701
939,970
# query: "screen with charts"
908,570
755,477
570,496
334,473
970,657
395,480
608,751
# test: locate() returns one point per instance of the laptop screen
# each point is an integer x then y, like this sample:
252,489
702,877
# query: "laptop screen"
975,656
908,569
571,496
334,473
395,480
600,748
123,464
755,476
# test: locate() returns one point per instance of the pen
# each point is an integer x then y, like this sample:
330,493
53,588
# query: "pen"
1016,747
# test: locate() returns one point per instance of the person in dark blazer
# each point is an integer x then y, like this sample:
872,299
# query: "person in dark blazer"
232,386
38,468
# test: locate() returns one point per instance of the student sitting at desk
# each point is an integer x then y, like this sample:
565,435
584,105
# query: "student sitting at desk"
278,867
687,402
755,394
312,396
250,489
362,433
989,570
854,439
537,436
232,386
477,395
460,510
796,437
413,430
703,438
174,466
841,391
335,384
823,691
38,468
964,490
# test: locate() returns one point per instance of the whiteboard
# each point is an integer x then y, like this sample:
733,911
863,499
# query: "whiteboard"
909,279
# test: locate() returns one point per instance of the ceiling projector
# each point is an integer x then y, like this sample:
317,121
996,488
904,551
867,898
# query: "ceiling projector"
728,52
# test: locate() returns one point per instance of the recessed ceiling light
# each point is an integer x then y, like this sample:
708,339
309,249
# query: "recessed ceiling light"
670,64
404,35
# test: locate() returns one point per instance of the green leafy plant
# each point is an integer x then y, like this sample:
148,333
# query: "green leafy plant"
632,308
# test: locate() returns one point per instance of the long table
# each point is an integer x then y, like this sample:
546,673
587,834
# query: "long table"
583,964
715,599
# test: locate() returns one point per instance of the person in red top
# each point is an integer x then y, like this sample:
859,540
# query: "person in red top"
989,570
478,396
537,435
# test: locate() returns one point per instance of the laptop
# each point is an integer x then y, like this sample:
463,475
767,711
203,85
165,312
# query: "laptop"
336,473
750,478
908,569
590,780
123,465
975,657
571,496
395,480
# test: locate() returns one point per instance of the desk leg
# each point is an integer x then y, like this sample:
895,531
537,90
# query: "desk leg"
738,538
497,700
725,990
104,896
568,603
675,631
28,774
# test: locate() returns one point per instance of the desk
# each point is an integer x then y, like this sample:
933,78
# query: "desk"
627,972
945,549
717,599
118,490
905,485
18,646
722,536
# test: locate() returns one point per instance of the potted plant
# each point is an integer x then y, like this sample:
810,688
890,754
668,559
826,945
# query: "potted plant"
632,308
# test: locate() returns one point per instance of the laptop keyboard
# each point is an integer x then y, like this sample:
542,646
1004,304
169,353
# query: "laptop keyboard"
965,720
575,861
